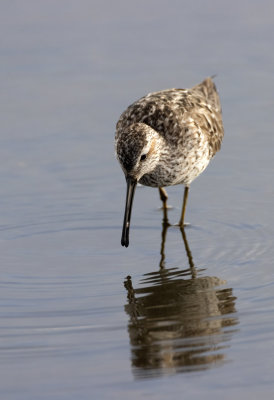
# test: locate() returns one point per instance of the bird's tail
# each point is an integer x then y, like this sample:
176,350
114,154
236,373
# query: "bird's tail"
208,90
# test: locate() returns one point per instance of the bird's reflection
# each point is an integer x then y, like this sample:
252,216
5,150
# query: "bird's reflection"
179,319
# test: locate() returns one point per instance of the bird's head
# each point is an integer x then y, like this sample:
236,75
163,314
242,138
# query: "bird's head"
138,152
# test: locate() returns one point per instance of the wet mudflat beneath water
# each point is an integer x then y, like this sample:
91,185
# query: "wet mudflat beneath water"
178,312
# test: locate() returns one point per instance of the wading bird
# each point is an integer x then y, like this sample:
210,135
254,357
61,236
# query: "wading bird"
168,138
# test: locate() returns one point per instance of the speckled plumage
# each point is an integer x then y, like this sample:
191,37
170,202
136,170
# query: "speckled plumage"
178,131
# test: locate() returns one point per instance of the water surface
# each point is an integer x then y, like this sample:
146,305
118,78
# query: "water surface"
177,312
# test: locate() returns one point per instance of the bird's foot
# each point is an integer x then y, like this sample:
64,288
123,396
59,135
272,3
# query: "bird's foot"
167,207
183,225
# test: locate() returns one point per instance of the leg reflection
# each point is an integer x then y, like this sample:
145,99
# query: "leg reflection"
165,226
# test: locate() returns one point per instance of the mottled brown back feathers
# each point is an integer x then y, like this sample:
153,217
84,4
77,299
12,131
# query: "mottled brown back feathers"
172,112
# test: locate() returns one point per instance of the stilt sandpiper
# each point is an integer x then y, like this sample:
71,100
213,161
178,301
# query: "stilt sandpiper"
168,138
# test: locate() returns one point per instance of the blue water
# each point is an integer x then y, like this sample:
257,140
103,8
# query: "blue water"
80,316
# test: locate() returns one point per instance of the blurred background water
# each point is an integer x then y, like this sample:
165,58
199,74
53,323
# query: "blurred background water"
80,316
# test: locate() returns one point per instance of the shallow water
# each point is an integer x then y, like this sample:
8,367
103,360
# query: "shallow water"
176,313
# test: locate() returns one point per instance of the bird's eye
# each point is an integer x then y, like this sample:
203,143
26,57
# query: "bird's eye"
143,157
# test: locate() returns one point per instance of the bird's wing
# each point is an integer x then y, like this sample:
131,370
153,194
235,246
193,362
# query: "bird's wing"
209,113
173,112
162,111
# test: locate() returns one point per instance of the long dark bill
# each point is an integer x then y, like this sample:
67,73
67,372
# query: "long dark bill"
131,186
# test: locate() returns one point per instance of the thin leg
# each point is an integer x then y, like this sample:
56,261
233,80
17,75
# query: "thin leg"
164,197
181,223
